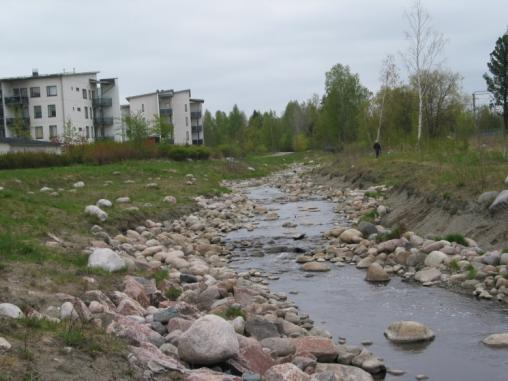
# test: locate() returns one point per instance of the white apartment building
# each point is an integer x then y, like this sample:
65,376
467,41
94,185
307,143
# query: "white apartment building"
184,112
44,103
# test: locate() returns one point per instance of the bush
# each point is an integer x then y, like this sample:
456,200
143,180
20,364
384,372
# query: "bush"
300,143
454,266
457,238
394,233
231,313
227,150
471,272
19,160
370,216
180,153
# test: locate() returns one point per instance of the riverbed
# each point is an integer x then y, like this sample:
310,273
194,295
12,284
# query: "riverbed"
347,306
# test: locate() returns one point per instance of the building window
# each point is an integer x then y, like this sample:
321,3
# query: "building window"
87,132
186,107
77,89
186,121
79,109
35,92
51,91
52,132
37,112
142,107
89,94
84,93
51,111
39,133
86,112
187,136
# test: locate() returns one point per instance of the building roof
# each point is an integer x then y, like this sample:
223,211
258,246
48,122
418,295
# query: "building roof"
197,100
66,74
160,92
27,142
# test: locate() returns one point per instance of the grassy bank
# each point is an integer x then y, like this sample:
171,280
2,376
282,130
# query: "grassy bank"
448,169
31,273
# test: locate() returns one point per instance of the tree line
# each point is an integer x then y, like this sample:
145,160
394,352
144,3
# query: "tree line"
428,104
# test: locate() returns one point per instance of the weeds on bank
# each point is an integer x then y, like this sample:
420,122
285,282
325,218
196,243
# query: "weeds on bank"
159,276
471,272
393,233
232,312
370,216
454,266
457,238
173,293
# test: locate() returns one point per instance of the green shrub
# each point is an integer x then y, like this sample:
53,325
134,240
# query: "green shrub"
373,194
173,293
227,150
458,238
180,153
20,160
159,276
505,250
73,337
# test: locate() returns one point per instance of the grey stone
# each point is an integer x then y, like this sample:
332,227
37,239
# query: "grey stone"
165,315
106,259
261,328
408,332
500,203
11,311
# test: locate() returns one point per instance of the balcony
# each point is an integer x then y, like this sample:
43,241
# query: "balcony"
102,102
103,121
195,114
197,129
12,121
16,100
166,112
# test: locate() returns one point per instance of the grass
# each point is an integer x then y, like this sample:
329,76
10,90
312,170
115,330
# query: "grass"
173,293
457,238
373,194
452,169
505,250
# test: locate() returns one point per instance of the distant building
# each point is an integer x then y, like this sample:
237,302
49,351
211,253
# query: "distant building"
184,112
43,104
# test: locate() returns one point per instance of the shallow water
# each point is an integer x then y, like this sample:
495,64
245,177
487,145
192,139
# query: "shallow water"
347,306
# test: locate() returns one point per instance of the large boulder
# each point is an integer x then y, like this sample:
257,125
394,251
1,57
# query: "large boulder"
376,273
106,259
279,346
344,372
408,332
316,267
435,259
210,340
261,328
428,275
251,358
321,347
367,228
351,236
499,340
500,203
11,311
285,372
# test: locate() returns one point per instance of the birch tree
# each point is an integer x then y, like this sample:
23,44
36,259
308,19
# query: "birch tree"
389,78
425,46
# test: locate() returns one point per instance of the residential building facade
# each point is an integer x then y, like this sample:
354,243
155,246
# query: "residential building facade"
181,110
39,106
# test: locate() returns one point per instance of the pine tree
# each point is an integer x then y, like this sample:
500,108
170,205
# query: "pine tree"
497,82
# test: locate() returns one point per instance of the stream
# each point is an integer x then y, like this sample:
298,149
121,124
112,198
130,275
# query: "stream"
341,302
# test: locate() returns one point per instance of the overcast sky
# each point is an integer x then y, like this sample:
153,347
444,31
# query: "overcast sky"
259,54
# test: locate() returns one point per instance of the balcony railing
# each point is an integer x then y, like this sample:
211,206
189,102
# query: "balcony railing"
166,112
195,114
12,121
16,100
197,129
102,102
103,121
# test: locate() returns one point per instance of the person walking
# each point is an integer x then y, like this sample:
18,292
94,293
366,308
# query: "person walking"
377,148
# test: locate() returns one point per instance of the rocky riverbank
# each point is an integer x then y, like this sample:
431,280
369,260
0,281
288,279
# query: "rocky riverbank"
202,320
